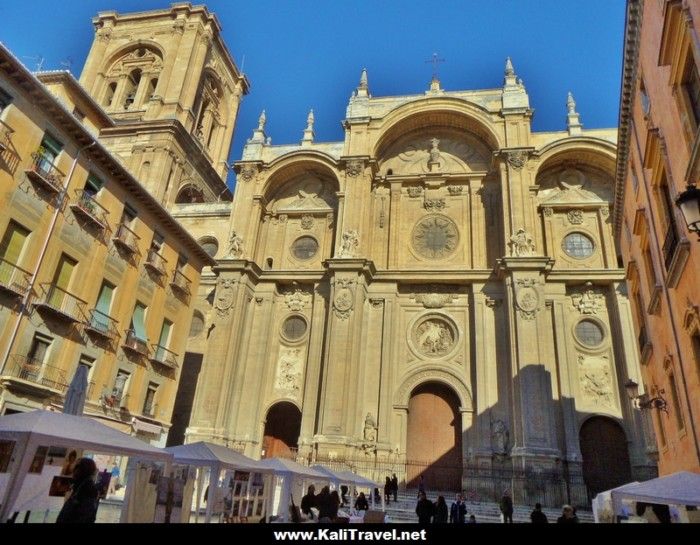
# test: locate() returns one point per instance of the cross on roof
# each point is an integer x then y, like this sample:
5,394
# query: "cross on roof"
435,61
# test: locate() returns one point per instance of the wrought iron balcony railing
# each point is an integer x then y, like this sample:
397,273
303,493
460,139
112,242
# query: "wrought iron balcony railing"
13,278
670,245
126,239
87,207
98,323
180,283
44,173
5,132
37,372
61,303
163,356
135,344
155,262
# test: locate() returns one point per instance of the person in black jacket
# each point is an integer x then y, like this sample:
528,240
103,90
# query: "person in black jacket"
458,511
537,516
507,507
424,509
361,503
440,516
81,505
309,501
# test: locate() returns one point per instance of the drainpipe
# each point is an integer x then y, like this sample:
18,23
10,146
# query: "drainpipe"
25,300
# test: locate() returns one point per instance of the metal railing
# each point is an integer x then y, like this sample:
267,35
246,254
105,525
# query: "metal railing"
164,356
180,282
134,343
126,238
42,171
14,278
5,132
101,324
25,368
87,206
670,245
155,261
61,302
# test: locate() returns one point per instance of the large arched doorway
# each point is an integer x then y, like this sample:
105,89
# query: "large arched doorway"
606,462
282,427
434,438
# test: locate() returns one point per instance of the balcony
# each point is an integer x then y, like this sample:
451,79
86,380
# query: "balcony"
645,346
115,400
87,208
101,325
126,239
164,357
155,262
670,245
180,283
5,132
135,345
60,303
35,376
13,279
43,173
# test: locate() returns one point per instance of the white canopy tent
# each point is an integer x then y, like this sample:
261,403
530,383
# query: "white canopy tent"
47,428
339,477
293,477
682,488
216,458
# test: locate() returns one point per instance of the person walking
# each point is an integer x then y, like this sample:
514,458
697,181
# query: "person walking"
440,516
458,510
537,516
394,486
424,509
507,507
81,505
387,490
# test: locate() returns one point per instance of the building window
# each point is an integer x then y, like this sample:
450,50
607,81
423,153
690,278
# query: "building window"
649,265
589,333
635,181
666,211
149,405
695,340
132,85
109,95
61,281
644,98
89,364
304,248
138,322
639,307
660,428
675,402
11,247
128,215
5,100
121,383
93,185
163,341
48,151
691,86
100,319
578,245
39,349
294,328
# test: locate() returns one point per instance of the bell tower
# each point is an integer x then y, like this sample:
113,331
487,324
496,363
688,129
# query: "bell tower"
170,84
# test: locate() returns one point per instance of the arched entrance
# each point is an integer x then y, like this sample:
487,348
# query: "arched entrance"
434,438
282,427
606,462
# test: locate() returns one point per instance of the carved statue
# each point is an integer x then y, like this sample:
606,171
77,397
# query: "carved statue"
499,437
370,431
350,243
434,151
522,244
235,245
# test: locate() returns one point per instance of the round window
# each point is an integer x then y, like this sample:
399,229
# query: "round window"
305,247
210,245
294,328
578,245
589,333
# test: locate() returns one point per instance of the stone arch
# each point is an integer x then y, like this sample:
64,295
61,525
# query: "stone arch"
584,150
141,64
117,55
210,108
438,112
433,374
189,193
282,426
296,163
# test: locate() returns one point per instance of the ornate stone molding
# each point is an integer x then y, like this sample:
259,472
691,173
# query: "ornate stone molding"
354,167
595,379
224,296
587,301
376,302
493,303
349,245
436,298
248,172
517,159
307,221
343,300
522,244
297,300
605,211
575,217
414,191
289,371
235,248
433,205
455,190
548,211
527,300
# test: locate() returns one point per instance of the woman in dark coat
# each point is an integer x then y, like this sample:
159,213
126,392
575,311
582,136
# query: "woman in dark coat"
81,506
440,516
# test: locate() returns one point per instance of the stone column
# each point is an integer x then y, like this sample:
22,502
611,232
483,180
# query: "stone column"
395,233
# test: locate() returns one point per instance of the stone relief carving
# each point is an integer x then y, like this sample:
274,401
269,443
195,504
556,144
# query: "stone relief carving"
575,217
587,301
435,237
351,241
248,172
432,205
369,433
522,244
527,299
308,194
434,297
433,337
415,191
455,190
224,297
571,186
421,155
354,167
289,370
343,300
297,299
517,159
235,248
307,221
493,303
434,152
548,211
605,211
596,379
499,437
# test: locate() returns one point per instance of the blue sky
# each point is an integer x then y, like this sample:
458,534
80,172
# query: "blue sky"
302,54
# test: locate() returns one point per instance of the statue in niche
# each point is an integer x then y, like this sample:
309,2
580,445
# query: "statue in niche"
499,437
522,244
235,245
370,431
434,151
350,243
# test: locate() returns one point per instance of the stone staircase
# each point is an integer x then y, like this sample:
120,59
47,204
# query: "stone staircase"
404,510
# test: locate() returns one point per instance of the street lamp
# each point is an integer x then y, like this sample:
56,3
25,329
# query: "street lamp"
689,203
644,401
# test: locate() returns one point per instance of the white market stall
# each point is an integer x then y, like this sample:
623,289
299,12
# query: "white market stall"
23,434
248,493
341,477
676,490
291,480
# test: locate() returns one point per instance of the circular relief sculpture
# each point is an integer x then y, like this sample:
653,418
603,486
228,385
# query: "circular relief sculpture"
578,245
433,336
305,248
589,333
294,328
435,236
